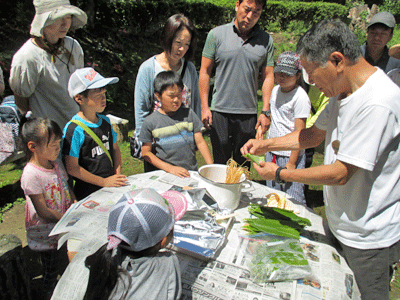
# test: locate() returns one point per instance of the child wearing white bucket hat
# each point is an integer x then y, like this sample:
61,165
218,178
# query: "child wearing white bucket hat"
139,225
41,67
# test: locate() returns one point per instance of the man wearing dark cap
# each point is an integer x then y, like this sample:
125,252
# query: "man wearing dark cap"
379,33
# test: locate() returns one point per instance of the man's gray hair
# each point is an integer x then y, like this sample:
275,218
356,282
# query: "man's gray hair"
326,37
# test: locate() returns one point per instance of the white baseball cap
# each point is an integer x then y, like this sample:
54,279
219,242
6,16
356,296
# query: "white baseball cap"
87,79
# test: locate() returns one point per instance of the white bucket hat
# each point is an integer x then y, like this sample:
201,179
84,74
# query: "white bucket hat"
48,11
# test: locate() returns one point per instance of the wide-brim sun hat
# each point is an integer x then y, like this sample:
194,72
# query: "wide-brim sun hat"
48,11
143,217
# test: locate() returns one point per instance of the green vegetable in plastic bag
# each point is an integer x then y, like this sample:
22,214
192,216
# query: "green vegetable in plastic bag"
280,261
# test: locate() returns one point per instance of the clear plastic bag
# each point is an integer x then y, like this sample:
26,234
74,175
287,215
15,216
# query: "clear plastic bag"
274,258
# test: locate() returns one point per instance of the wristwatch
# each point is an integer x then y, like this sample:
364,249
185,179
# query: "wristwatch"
278,179
266,113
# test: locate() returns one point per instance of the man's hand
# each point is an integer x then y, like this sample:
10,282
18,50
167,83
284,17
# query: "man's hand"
206,118
262,126
115,180
254,146
266,170
259,133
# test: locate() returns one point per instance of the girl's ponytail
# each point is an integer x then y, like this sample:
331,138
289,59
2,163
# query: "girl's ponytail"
38,130
24,119
104,273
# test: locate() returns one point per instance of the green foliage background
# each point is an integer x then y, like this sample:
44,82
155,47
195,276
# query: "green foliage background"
122,34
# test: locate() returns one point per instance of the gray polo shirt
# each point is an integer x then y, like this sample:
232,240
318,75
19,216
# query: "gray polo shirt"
238,64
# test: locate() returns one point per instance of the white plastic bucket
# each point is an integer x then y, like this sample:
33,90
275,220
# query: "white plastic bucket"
227,195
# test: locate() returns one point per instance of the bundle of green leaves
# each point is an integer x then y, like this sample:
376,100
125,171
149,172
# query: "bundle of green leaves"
275,221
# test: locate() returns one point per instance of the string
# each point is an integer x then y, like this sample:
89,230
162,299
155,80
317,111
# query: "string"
69,57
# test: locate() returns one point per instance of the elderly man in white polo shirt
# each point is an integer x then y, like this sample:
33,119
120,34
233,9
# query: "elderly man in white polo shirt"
361,171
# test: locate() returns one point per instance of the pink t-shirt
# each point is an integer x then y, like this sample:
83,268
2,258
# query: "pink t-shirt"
34,181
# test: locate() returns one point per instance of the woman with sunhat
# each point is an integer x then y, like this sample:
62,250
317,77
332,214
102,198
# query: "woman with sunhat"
41,68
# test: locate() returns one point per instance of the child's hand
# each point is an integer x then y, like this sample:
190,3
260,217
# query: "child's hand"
115,180
178,171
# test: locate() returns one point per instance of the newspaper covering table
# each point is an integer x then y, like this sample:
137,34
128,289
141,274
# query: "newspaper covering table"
225,277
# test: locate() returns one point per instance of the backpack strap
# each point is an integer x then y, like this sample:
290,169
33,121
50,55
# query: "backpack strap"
94,137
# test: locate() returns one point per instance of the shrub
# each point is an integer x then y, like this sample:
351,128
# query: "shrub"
122,34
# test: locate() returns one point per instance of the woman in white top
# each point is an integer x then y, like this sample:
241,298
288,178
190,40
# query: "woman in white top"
41,68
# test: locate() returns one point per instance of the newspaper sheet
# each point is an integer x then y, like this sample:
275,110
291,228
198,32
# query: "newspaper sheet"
226,277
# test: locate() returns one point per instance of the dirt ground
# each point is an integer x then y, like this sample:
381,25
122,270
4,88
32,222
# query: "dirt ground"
14,223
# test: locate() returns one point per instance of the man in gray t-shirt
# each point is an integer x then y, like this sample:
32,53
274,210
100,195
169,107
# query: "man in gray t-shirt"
240,51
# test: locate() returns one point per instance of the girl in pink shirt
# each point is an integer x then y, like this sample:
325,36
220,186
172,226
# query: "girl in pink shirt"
45,185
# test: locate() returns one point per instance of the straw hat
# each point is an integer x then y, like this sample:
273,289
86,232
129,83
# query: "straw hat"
394,51
48,11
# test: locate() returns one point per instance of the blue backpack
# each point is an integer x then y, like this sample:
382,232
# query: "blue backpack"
10,118
9,112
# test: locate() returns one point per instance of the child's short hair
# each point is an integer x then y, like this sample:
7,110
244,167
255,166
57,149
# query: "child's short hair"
87,79
167,79
37,130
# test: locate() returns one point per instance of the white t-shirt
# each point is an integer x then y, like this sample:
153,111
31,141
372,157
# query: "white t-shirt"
45,83
285,107
395,76
365,212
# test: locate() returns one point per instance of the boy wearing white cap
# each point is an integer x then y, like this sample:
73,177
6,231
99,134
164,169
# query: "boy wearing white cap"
41,68
379,33
90,148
